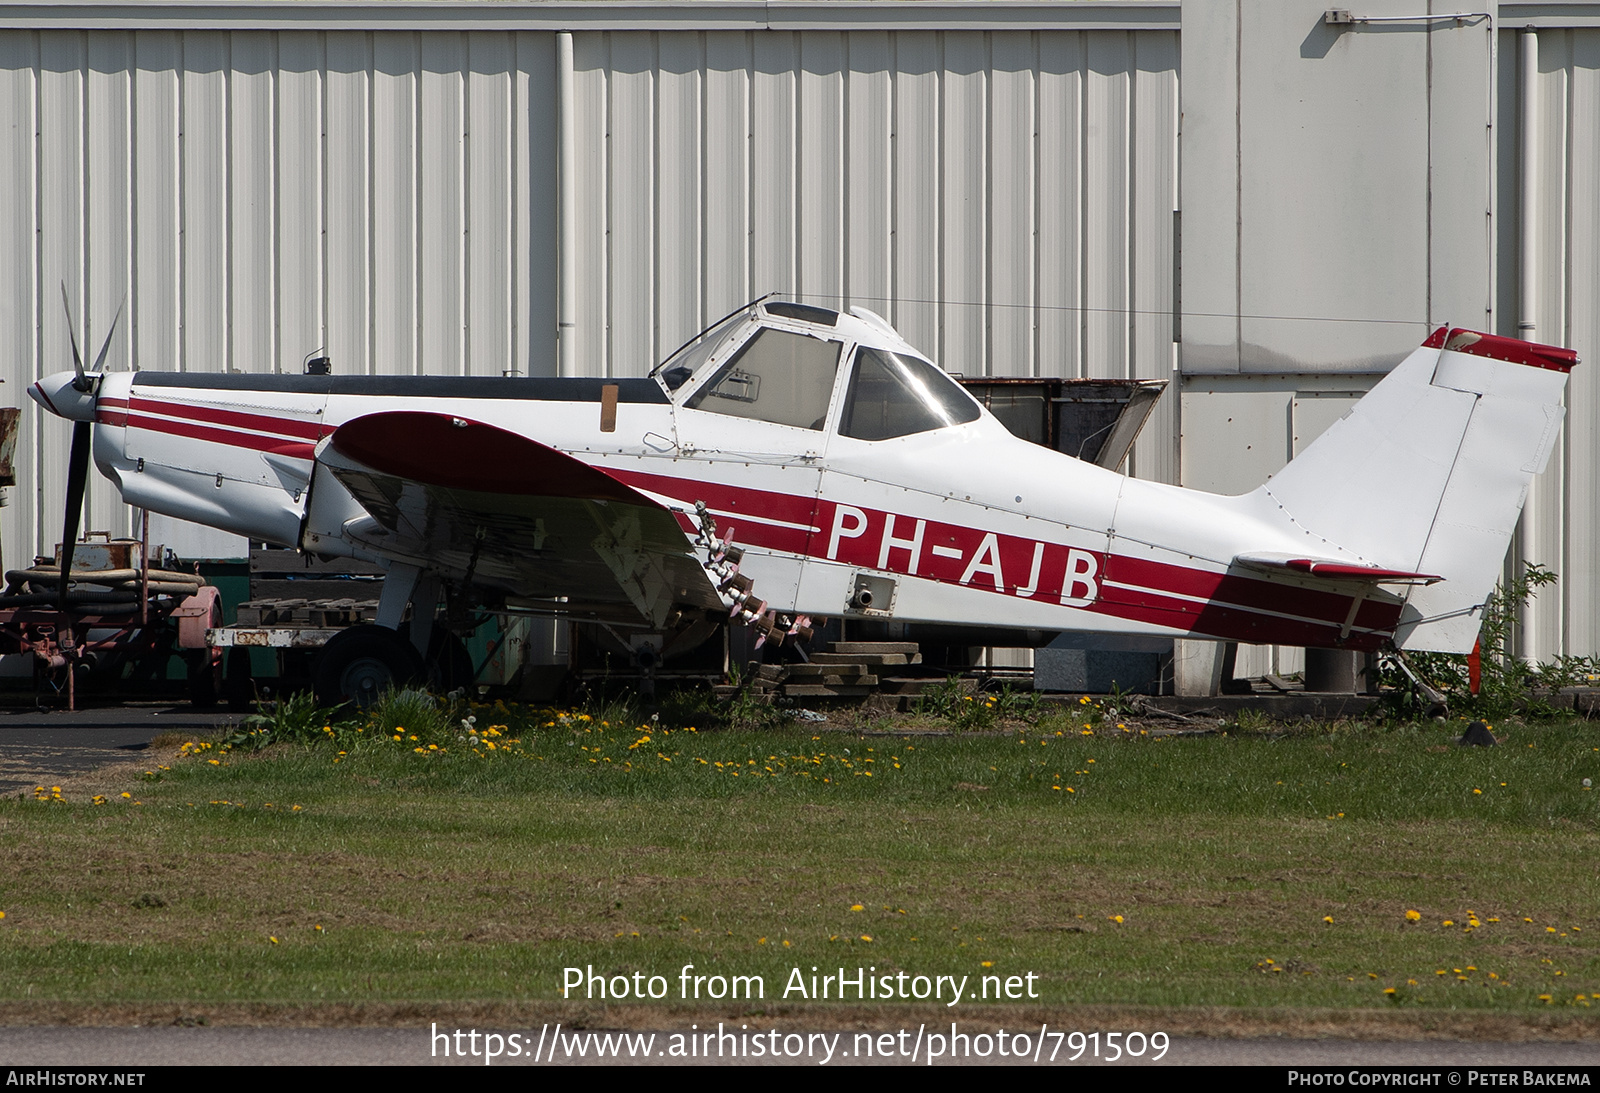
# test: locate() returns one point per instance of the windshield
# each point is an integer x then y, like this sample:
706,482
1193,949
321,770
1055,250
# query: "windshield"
893,395
777,376
676,369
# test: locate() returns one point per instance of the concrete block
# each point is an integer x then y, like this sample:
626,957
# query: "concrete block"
1092,663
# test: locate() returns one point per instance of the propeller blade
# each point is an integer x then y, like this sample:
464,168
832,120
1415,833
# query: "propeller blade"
82,382
77,479
100,359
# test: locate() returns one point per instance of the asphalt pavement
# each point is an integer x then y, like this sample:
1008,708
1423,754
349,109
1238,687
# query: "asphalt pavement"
170,1046
41,747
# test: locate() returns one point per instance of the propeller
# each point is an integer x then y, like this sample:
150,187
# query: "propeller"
82,437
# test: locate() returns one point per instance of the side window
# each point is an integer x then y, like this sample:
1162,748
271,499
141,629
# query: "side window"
891,395
777,376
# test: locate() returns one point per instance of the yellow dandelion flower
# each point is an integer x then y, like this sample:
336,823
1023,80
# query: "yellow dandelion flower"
1413,916
857,907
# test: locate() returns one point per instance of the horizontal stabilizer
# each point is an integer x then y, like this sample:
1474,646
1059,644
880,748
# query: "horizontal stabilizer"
1332,569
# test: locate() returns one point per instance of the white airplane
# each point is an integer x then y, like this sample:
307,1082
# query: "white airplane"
796,461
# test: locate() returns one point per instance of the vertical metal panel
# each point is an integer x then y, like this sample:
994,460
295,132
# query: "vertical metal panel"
679,286
252,238
630,212
1153,179
396,77
1107,207
441,223
154,303
869,158
1543,531
819,217
1058,245
203,149
301,329
775,58
347,196
489,211
19,282
62,60
535,255
727,168
110,188
916,150
108,240
591,60
1580,566
964,202
1013,168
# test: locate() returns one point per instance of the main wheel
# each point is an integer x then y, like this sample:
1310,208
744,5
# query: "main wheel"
360,663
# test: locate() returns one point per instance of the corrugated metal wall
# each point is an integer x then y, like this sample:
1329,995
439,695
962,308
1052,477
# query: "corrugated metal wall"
1561,527
1005,197
257,195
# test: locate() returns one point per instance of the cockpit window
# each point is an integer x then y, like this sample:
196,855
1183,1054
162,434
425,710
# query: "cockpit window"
777,376
676,370
808,313
893,395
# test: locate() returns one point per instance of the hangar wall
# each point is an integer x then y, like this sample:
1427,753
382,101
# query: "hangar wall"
1361,214
1000,187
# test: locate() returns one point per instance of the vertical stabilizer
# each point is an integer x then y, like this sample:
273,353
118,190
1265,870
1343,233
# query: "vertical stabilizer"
1430,470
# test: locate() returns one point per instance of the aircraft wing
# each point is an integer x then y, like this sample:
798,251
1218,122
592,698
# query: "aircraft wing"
498,510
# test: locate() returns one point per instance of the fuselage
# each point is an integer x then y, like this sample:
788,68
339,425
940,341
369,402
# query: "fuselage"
960,522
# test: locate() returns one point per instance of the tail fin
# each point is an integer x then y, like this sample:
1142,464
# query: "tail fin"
1430,470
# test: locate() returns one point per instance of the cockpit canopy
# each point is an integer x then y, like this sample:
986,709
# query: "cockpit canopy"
779,362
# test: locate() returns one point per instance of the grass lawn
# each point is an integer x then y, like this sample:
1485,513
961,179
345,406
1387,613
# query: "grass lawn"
1353,868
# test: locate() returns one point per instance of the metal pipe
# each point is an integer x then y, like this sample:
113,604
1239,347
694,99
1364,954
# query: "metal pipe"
1528,215
566,317
144,568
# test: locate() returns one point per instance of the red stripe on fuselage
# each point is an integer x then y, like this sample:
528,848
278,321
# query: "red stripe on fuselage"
1234,606
238,419
250,441
1248,593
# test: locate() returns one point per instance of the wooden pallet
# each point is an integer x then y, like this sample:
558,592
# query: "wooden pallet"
318,614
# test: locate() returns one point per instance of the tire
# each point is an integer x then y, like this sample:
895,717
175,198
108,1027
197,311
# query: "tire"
360,663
